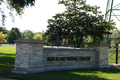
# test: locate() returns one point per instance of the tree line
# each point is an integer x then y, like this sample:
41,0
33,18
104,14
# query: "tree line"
14,34
78,25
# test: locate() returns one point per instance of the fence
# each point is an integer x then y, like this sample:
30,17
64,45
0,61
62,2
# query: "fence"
113,56
7,44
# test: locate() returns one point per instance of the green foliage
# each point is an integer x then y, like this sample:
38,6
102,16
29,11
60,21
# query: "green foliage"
4,30
78,21
38,36
14,5
102,28
29,35
44,36
113,44
13,34
22,3
89,39
24,33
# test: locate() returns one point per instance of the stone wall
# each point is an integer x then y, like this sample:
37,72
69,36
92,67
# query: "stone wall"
31,57
67,53
101,54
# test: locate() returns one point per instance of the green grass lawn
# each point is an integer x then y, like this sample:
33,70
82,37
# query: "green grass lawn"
7,58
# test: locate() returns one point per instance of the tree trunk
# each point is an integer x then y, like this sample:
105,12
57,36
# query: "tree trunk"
80,41
52,43
77,41
73,42
94,39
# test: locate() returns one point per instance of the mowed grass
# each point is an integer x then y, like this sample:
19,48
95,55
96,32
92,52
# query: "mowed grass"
7,58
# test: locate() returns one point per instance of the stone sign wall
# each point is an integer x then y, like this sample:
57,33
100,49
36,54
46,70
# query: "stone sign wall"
31,57
68,57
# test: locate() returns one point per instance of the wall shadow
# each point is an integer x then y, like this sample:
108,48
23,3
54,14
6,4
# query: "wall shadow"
12,54
59,75
104,70
7,63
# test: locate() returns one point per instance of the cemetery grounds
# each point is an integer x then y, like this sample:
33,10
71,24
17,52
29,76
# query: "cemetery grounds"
7,58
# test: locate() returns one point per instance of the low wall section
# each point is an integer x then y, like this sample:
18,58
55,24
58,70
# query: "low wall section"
68,57
31,57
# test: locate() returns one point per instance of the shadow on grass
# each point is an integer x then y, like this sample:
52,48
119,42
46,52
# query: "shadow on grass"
59,75
7,63
11,54
7,58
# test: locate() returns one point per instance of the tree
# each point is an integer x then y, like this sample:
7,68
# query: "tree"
24,33
113,44
2,38
78,21
29,35
13,34
38,36
14,5
44,36
54,38
103,28
4,30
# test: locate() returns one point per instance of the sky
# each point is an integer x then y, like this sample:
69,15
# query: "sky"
35,18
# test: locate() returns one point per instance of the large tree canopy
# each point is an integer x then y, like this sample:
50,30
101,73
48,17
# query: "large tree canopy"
13,34
14,5
78,21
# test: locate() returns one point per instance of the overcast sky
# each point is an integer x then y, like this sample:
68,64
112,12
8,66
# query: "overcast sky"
35,18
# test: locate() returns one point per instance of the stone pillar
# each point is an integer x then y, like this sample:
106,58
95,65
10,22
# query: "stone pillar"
101,54
29,56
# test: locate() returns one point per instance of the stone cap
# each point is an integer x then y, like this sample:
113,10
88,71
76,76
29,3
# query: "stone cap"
98,44
48,48
29,41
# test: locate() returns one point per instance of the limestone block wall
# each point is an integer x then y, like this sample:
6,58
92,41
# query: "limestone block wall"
67,53
29,55
101,53
103,50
